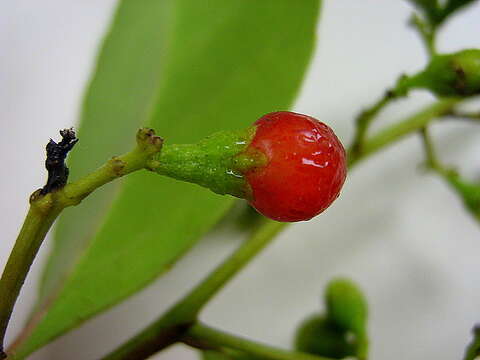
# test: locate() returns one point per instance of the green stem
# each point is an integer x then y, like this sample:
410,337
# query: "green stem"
427,33
468,192
44,209
38,221
430,153
215,162
366,118
401,129
205,337
176,321
141,157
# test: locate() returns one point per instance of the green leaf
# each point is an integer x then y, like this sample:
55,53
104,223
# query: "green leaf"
185,68
473,349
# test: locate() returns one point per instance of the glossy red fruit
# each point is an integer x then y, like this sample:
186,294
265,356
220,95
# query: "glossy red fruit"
305,169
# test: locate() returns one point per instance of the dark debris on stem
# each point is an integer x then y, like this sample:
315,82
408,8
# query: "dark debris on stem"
55,162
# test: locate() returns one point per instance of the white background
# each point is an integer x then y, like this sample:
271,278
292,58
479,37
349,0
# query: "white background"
399,232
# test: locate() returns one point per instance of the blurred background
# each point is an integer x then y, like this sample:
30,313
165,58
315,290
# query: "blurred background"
396,230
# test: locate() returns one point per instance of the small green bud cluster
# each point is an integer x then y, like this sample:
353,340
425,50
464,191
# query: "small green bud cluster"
341,332
456,74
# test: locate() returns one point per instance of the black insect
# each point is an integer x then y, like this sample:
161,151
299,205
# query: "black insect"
55,163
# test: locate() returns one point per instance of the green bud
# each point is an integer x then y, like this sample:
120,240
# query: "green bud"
316,335
455,74
347,309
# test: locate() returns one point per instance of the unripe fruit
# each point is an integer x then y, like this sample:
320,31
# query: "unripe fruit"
346,306
305,167
456,74
347,309
316,335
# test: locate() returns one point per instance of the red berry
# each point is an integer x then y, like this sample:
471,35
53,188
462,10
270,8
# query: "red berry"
305,169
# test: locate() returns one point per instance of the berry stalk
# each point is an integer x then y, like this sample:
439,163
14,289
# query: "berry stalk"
47,203
215,162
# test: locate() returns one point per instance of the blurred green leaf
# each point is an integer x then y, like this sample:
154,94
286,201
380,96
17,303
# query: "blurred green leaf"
187,69
473,349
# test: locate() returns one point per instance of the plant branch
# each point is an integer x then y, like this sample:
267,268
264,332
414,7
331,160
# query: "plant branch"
205,337
366,118
430,153
47,203
38,221
401,129
468,192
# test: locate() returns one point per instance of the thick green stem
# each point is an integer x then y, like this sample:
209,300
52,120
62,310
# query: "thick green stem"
215,162
401,129
44,209
430,153
171,326
38,221
205,337
467,191
366,118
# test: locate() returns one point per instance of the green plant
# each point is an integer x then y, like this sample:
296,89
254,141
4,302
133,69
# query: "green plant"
77,285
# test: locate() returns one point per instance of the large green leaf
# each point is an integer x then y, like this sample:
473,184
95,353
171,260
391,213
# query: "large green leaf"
186,68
